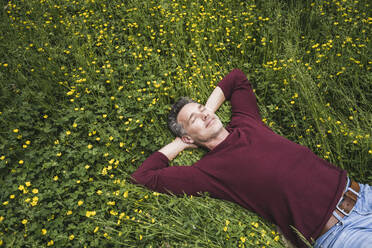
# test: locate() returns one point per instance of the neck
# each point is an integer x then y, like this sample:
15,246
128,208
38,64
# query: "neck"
221,136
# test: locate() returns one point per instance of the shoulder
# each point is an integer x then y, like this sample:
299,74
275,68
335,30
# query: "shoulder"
242,120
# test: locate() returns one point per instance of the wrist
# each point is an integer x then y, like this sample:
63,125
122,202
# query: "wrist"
215,100
172,149
209,109
178,142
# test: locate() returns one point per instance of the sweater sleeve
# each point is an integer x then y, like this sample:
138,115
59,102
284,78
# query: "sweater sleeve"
155,174
238,90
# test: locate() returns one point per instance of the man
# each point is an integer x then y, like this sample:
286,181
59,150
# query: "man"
250,165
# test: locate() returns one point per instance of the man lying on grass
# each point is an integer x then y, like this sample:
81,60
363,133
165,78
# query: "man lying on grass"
250,165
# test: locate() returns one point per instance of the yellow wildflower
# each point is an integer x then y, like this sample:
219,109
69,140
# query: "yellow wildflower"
90,213
113,212
34,201
125,194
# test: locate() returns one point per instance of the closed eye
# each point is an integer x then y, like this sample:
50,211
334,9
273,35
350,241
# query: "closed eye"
192,117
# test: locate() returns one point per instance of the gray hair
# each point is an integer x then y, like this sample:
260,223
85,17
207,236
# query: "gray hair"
177,128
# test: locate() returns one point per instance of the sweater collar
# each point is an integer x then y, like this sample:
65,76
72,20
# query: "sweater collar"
226,142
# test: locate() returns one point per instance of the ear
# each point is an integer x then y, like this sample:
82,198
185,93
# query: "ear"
187,139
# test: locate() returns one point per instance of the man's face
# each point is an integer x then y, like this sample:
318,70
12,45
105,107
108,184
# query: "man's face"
200,123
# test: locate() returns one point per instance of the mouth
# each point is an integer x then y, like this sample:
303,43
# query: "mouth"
209,122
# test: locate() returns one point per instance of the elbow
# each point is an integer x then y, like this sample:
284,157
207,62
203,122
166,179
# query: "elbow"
238,74
146,179
236,70
137,178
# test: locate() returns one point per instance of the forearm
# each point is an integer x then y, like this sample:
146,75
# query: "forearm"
215,99
146,173
172,149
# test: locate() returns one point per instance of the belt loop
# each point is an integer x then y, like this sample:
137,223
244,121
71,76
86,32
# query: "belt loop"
335,214
356,193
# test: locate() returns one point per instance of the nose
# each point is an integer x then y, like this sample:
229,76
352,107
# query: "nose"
205,116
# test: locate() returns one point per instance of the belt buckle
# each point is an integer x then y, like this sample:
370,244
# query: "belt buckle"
342,211
351,194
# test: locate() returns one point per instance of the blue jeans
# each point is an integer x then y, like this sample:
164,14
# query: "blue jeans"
355,229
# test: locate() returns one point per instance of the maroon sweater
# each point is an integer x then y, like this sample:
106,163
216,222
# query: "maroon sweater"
282,181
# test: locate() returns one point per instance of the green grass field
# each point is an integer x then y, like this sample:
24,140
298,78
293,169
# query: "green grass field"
86,86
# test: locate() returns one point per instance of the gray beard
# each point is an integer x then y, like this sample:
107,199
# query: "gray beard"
201,142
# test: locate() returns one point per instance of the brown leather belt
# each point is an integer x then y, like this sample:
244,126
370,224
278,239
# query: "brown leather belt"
347,203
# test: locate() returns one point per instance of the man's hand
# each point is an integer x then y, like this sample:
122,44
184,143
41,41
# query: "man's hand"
186,145
175,147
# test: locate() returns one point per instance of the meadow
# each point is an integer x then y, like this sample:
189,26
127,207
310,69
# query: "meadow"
86,87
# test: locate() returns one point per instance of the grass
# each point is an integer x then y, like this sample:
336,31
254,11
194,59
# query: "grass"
86,87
